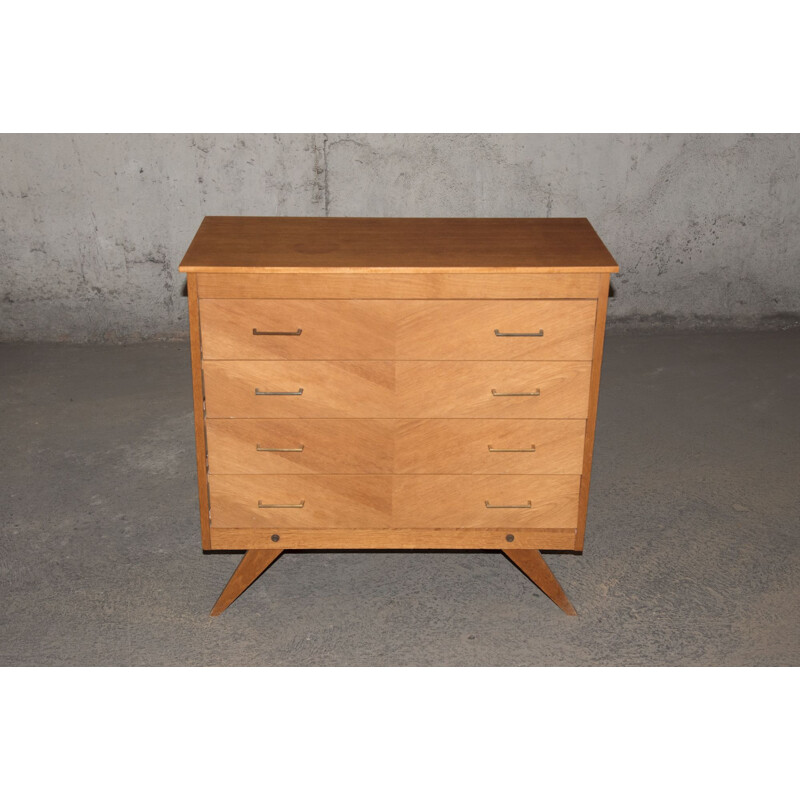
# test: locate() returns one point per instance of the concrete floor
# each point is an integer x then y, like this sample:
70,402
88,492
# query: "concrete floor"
692,553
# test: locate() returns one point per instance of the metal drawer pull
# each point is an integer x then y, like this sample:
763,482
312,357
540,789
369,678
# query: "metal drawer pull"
257,332
531,449
489,505
281,505
280,449
497,333
262,394
495,393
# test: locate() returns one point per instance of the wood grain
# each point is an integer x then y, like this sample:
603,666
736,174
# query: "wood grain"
330,329
231,243
465,329
329,446
386,446
461,446
398,389
329,501
199,413
250,567
357,389
398,329
453,389
441,285
458,501
534,566
397,361
399,501
394,539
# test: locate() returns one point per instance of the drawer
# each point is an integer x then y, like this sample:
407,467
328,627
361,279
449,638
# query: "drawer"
321,501
476,446
496,330
459,501
387,389
356,389
399,501
326,446
385,446
297,329
558,330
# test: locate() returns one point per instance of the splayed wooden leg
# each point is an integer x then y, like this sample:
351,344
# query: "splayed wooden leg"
250,567
534,566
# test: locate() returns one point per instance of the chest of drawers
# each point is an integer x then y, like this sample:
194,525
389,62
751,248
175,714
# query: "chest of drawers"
395,383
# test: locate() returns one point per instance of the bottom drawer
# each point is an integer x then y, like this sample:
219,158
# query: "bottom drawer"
300,501
394,501
485,501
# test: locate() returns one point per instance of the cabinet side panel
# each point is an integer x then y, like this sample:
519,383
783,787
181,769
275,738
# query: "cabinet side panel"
199,412
594,390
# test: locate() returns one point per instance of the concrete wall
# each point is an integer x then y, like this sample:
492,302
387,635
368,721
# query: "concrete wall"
92,227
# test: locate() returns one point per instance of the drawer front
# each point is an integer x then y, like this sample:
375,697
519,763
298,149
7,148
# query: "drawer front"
496,330
297,329
399,501
330,389
386,389
558,330
485,447
386,446
323,501
290,446
459,501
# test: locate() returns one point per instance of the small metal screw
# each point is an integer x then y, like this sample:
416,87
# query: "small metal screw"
275,537
510,537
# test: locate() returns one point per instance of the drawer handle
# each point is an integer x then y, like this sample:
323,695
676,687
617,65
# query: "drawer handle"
280,449
263,394
489,505
531,449
497,333
281,505
257,332
495,393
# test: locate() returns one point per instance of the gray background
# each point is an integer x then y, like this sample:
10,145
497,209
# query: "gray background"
92,227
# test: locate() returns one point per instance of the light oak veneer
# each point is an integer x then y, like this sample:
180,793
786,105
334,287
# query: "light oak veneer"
406,416
427,389
391,446
399,284
398,501
408,330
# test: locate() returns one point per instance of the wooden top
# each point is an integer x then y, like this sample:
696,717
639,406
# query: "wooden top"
378,244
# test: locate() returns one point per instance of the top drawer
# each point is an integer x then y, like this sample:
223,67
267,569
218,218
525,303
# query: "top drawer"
296,330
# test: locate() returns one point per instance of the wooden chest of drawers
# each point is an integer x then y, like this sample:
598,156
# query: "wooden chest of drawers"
395,383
